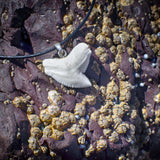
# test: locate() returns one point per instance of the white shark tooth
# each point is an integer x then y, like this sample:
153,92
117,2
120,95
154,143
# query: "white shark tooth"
69,70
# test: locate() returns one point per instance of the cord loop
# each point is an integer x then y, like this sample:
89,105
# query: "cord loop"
61,52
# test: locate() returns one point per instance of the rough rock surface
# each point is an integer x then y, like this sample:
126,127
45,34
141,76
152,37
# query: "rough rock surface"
117,118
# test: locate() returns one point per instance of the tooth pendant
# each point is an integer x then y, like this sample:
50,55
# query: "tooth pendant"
69,70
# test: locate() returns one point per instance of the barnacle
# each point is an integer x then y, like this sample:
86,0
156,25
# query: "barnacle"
70,28
108,42
75,129
112,90
157,98
118,59
122,128
20,102
90,38
53,110
135,63
125,91
133,114
36,132
34,120
107,21
148,37
124,37
137,31
44,149
65,34
95,115
60,124
106,31
115,29
90,150
121,48
81,139
116,38
80,109
154,26
132,23
120,75
118,111
52,154
30,109
156,48
82,122
157,116
54,97
102,90
133,41
102,54
45,116
104,121
47,131
101,39
90,99
68,115
117,120
107,132
114,137
154,38
144,113
68,19
34,146
130,51
105,110
132,129
81,5
101,144
56,134
126,2
113,50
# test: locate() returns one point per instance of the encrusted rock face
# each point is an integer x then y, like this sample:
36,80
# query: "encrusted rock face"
117,117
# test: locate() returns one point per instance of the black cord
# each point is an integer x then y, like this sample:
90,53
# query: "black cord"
53,48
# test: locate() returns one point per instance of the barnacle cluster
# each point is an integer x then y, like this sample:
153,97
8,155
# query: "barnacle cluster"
111,117
24,103
102,54
69,27
52,121
113,106
47,124
152,117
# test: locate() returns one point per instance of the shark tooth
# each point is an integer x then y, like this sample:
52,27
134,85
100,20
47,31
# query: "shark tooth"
69,70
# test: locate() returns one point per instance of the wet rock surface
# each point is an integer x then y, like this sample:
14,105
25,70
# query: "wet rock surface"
117,118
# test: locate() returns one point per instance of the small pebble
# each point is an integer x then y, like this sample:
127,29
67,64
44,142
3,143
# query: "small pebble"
142,84
145,56
154,65
137,75
77,116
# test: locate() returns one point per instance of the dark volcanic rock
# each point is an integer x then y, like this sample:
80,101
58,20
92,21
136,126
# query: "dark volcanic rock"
28,27
8,130
67,148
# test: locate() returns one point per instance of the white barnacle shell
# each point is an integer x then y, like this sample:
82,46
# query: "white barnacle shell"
69,70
